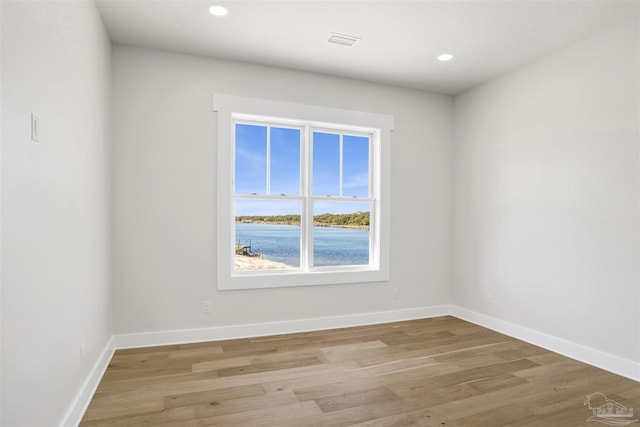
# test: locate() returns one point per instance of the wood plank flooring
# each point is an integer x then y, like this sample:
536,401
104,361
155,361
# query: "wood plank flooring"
432,372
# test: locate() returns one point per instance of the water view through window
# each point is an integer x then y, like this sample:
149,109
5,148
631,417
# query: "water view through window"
279,245
271,199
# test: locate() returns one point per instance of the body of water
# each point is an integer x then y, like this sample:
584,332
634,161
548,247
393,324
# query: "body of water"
281,243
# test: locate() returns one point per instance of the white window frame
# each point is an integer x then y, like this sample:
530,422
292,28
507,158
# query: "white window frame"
232,108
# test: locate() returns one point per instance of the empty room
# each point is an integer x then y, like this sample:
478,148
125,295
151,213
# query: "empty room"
319,213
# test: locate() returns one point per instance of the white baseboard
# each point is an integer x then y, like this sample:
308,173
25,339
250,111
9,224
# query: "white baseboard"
81,402
600,359
274,328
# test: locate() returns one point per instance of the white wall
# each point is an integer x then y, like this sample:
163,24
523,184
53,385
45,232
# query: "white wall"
164,194
547,195
55,228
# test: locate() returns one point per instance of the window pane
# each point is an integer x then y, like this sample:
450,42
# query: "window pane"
267,234
341,233
285,161
251,159
355,166
326,164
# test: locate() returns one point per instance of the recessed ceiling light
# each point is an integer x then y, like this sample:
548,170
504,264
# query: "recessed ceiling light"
445,57
217,10
343,39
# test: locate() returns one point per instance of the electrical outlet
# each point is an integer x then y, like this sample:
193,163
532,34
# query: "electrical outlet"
394,293
206,307
489,297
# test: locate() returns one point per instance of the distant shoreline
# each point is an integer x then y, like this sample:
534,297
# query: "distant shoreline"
315,224
356,220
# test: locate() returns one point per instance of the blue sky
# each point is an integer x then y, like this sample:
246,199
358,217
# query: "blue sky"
251,170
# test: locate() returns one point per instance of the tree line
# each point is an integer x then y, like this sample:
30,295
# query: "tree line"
356,219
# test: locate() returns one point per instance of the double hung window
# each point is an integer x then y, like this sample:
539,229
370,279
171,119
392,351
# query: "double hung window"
301,199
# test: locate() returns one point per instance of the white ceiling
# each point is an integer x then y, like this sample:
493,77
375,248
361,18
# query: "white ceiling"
400,39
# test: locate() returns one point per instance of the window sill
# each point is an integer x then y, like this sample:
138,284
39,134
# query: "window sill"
282,278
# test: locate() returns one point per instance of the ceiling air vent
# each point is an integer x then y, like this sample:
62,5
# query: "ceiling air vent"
343,40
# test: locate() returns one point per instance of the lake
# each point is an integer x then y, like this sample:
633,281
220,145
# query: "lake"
281,243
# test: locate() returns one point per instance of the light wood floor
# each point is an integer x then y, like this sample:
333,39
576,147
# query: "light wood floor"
432,372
